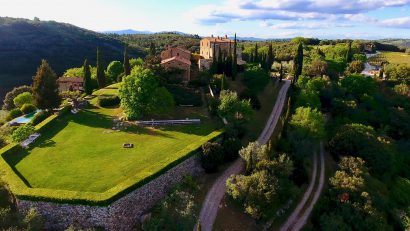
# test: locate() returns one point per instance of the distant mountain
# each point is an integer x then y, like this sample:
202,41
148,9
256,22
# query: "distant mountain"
127,31
23,43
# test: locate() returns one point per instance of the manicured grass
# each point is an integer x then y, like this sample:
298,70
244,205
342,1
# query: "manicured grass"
81,152
397,57
109,90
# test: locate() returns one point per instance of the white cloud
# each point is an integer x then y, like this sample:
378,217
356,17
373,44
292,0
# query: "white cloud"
312,25
403,22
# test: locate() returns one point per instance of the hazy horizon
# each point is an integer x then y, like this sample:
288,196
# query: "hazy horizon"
363,19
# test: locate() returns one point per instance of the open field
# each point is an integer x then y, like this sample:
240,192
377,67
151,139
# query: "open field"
81,152
397,57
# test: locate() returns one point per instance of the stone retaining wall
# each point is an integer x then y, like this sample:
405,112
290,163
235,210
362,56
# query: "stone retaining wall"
122,214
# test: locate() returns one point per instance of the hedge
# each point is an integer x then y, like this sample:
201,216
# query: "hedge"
22,191
108,100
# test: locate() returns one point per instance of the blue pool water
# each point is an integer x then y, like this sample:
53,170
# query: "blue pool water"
24,119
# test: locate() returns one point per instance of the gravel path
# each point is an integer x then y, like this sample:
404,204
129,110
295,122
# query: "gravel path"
298,218
214,196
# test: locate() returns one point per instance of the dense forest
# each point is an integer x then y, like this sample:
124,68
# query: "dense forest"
23,43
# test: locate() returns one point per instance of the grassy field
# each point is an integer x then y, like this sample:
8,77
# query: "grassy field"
82,153
397,57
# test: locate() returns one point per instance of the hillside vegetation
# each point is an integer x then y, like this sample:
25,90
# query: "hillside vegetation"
23,43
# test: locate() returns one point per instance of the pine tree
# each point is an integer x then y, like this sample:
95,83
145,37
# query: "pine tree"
127,66
87,78
45,87
152,50
234,61
298,62
100,70
256,55
270,60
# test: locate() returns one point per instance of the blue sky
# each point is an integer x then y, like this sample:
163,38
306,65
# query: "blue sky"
256,18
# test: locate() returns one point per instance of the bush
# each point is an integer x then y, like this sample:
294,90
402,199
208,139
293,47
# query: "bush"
184,96
231,147
22,133
65,110
213,104
108,100
2,142
253,97
211,156
28,108
23,98
14,114
39,117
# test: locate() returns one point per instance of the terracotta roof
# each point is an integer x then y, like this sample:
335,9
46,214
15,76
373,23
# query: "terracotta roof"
70,79
183,50
218,40
177,58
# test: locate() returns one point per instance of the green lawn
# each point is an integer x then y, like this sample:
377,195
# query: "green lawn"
397,57
82,153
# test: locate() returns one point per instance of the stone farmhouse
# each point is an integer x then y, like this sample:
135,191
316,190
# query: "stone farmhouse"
211,45
70,84
177,58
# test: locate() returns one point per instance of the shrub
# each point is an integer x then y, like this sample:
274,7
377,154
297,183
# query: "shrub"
14,114
22,133
39,117
213,104
28,108
231,147
184,96
253,97
2,142
33,220
8,103
211,156
65,110
23,98
108,100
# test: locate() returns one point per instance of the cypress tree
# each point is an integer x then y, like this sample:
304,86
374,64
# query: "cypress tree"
87,78
100,70
198,226
228,62
45,87
270,60
220,61
298,62
214,64
152,50
281,72
256,55
234,60
349,52
127,66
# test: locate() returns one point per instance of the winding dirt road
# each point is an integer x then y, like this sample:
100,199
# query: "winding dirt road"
299,216
214,196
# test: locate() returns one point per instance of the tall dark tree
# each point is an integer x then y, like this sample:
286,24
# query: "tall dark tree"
270,58
45,87
349,52
100,70
214,65
256,55
228,62
152,49
220,61
234,60
88,89
298,62
281,72
127,66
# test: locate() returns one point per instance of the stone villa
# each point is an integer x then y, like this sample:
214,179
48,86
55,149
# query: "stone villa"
70,84
179,58
207,50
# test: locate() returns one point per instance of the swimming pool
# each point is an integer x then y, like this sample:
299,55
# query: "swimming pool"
25,118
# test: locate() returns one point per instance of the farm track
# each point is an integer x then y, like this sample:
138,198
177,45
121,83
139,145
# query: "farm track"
299,216
214,196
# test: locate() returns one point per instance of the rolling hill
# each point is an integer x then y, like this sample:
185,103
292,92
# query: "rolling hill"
23,43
